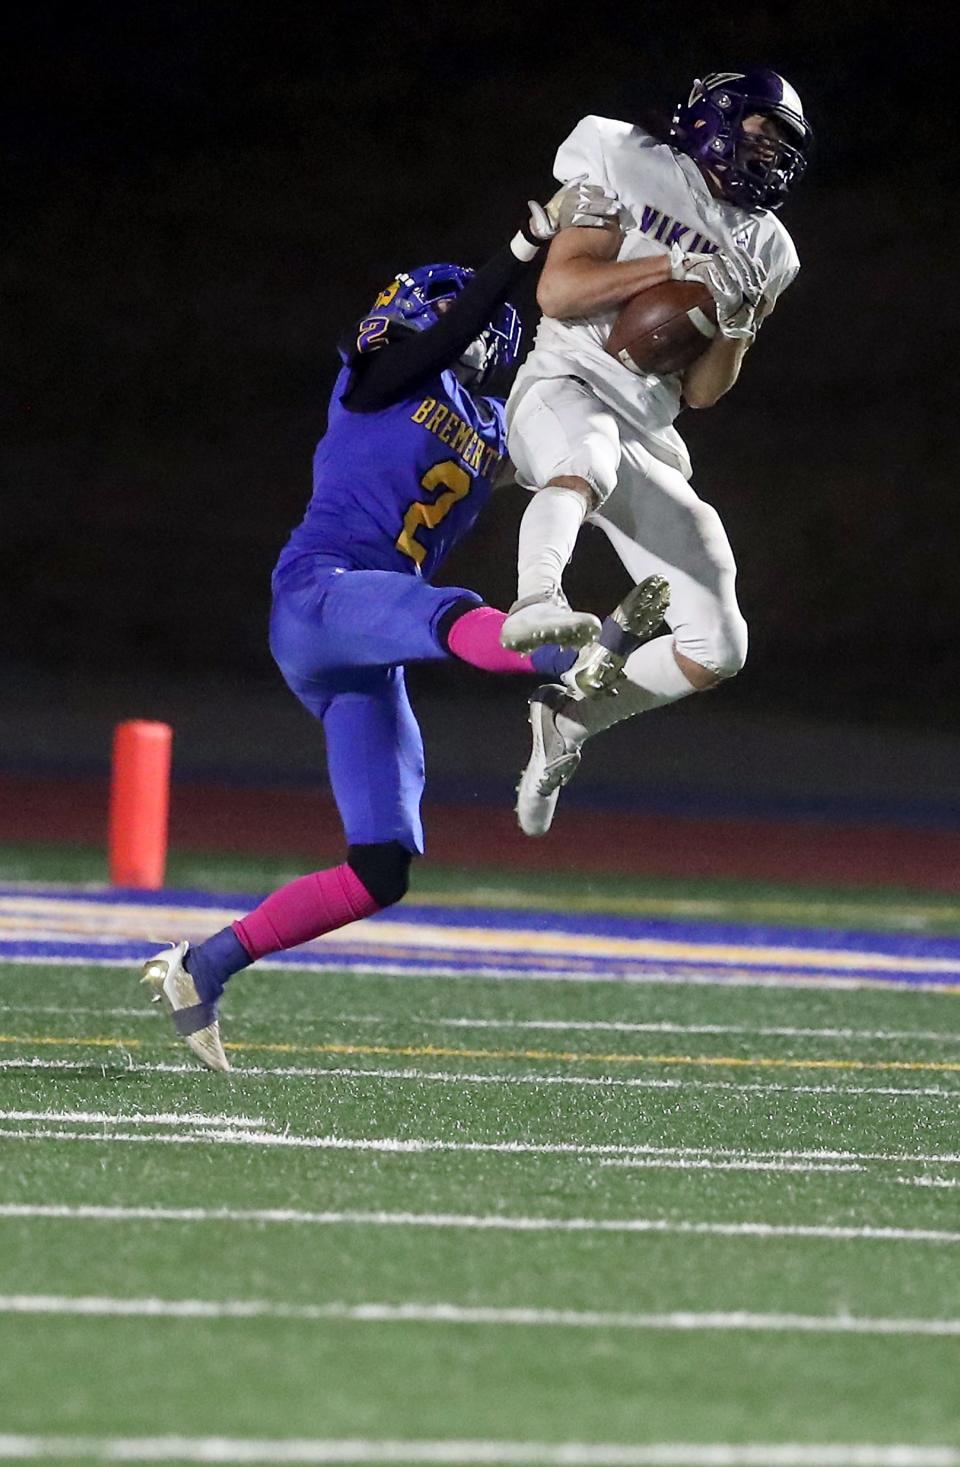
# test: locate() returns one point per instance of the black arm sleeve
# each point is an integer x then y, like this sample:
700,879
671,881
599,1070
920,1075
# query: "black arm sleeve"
393,372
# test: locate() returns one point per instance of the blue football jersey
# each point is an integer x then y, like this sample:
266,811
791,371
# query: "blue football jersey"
395,489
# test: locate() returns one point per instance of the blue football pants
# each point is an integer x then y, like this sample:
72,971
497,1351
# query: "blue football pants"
340,638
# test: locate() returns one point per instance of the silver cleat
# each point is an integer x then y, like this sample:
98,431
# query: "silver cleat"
536,620
633,622
194,1021
552,764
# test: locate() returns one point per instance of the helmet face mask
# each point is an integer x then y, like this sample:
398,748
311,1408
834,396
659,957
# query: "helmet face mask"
475,364
415,300
496,348
753,169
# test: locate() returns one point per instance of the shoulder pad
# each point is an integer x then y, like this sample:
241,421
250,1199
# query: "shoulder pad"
778,252
784,240
592,144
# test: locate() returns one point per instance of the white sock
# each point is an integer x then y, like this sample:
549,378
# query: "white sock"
548,532
654,680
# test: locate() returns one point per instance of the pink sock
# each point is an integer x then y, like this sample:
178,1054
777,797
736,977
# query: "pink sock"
475,638
304,909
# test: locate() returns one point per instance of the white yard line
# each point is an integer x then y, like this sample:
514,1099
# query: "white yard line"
133,1118
703,1165
482,1222
69,1011
928,1181
618,1026
708,1157
446,1313
485,1452
422,1144
457,1077
677,975
327,1143
585,1026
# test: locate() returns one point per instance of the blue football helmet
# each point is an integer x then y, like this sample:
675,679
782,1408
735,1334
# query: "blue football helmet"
412,301
753,171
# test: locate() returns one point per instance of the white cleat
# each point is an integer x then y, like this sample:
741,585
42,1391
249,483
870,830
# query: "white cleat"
195,1022
552,764
636,620
535,621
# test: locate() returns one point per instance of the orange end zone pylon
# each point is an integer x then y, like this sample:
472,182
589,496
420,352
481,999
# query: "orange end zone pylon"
139,803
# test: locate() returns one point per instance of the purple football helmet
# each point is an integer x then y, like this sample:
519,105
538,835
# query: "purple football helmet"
412,300
753,171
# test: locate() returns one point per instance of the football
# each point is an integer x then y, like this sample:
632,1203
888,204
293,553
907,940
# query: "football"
665,328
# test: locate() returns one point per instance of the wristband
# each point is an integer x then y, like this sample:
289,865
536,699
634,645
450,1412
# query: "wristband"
523,248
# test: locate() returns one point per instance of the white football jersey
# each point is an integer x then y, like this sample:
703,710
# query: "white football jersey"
665,200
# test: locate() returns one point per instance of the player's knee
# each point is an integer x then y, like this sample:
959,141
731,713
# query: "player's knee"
577,484
384,869
591,469
732,652
459,608
717,654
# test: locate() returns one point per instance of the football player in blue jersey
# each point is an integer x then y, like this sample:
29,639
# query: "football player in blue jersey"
405,466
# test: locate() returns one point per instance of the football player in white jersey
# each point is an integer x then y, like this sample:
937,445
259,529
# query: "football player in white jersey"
593,438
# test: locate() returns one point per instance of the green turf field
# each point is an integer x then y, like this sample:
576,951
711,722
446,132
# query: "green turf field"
732,1238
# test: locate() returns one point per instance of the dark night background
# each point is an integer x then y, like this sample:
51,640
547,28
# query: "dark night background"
201,195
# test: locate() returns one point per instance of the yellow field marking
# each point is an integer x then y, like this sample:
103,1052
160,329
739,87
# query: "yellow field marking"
560,1056
646,948
42,917
809,908
898,913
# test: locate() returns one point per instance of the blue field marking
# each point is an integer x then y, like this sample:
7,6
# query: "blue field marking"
597,924
78,925
313,958
524,920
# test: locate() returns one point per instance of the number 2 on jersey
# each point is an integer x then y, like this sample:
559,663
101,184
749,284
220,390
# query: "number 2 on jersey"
455,483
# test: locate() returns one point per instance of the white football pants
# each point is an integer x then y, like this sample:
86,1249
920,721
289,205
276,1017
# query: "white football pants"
649,513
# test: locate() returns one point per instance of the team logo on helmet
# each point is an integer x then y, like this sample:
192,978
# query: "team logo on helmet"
754,170
413,300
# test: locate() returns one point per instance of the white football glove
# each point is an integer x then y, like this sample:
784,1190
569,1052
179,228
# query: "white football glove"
578,205
736,283
681,265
